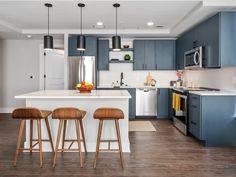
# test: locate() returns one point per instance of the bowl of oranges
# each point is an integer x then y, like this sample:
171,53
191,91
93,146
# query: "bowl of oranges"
84,87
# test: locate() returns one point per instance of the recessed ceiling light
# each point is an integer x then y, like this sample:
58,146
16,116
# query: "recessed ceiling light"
99,23
29,36
150,23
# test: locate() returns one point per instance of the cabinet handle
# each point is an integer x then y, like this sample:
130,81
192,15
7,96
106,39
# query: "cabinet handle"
194,123
194,106
143,66
156,66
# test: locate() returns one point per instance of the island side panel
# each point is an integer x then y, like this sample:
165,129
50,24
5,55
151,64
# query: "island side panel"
90,124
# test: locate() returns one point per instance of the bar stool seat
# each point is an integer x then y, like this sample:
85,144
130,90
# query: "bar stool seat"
108,114
63,115
32,114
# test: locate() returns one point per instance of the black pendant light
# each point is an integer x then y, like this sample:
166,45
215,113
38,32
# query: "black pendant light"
81,41
116,41
48,40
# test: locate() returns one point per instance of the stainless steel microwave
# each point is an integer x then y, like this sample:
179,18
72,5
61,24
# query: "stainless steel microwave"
193,59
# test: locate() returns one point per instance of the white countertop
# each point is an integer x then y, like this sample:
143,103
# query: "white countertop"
131,86
74,94
214,93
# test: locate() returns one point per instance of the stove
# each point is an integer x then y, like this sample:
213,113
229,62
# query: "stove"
180,116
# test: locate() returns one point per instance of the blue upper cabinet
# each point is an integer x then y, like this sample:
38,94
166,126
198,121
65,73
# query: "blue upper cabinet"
91,46
217,35
150,55
103,55
165,55
154,54
228,38
139,54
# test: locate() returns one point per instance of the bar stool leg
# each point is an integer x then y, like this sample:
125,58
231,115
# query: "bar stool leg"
119,142
49,133
64,136
82,131
98,143
31,135
21,130
40,143
79,142
57,144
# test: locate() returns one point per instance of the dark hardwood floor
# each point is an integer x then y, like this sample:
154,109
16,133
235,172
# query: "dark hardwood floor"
163,153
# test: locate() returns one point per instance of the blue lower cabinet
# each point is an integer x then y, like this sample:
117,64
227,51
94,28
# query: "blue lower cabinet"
212,119
171,111
132,103
163,103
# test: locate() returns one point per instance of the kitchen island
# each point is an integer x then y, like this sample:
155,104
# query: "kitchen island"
89,102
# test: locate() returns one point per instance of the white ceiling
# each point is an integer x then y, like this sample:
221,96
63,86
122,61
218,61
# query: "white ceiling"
30,17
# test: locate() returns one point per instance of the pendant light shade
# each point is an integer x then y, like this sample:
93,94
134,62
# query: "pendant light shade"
116,40
116,43
81,40
48,40
81,43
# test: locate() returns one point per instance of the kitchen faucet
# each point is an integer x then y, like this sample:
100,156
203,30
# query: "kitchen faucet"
121,79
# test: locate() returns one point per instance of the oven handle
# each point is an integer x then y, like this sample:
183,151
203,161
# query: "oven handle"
183,96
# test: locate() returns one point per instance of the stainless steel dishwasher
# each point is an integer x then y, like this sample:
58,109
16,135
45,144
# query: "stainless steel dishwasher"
146,102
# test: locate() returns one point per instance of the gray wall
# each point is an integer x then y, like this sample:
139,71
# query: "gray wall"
19,59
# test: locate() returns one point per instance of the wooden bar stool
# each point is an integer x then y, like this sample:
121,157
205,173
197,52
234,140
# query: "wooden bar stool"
32,114
65,114
108,114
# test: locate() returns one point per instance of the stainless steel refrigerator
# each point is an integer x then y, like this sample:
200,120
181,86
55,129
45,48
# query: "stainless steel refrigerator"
81,68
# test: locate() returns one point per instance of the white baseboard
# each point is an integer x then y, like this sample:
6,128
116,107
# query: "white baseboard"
6,110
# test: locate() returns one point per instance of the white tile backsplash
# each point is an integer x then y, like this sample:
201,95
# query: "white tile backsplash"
224,78
134,78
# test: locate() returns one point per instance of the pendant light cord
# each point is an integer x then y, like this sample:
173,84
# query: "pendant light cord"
116,21
81,21
48,21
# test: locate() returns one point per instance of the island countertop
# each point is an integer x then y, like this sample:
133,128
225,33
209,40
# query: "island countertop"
64,94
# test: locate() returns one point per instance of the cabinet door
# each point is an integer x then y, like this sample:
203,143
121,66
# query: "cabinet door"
72,45
163,103
170,104
210,32
180,53
228,38
165,54
139,54
103,55
195,116
132,103
91,46
150,57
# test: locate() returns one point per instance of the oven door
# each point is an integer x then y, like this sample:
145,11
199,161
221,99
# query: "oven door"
180,118
182,113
